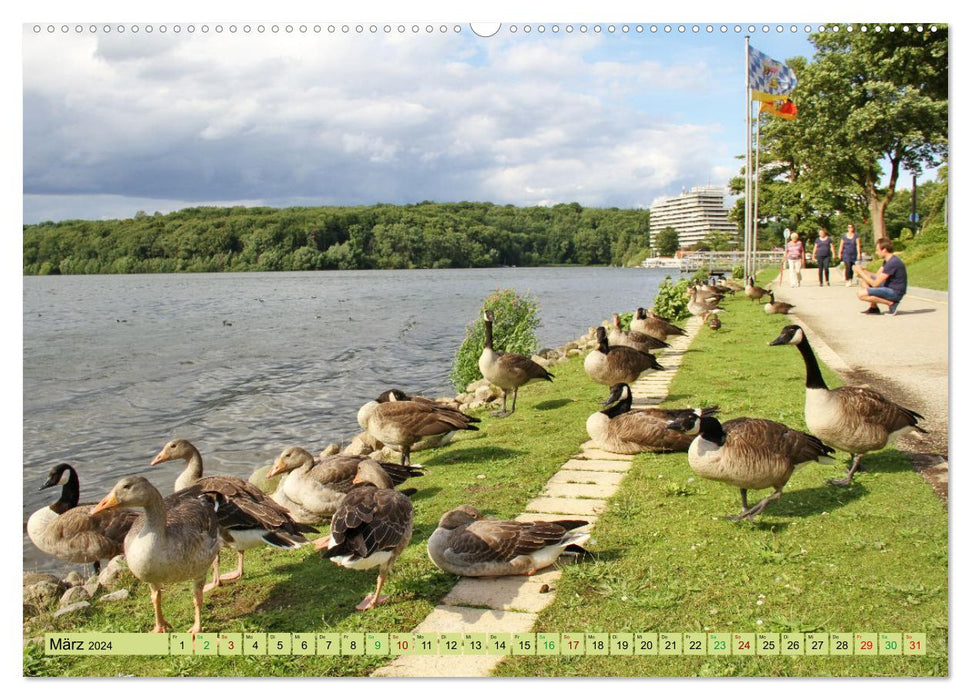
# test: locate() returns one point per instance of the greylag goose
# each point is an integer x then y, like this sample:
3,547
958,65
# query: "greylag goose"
314,487
777,307
401,424
68,531
698,305
248,518
507,370
851,418
371,527
749,453
611,365
466,544
398,395
175,540
632,339
623,430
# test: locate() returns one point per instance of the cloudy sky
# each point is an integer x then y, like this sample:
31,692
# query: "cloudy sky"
116,122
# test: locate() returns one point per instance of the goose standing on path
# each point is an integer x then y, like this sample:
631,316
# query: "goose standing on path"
632,339
248,518
623,430
69,532
314,488
851,418
777,307
749,453
175,540
656,326
371,528
466,544
616,365
401,424
507,370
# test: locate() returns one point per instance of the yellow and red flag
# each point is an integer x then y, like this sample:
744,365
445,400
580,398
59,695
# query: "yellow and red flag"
785,109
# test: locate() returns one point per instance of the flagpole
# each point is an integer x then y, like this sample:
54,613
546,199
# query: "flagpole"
748,167
755,196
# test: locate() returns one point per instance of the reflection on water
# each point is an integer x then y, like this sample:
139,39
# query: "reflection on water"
244,365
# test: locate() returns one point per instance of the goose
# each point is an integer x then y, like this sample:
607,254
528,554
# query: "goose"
176,539
777,307
752,292
749,453
248,518
315,487
632,339
657,326
699,306
69,532
712,320
851,418
507,370
466,544
733,285
397,395
621,430
616,365
402,424
371,527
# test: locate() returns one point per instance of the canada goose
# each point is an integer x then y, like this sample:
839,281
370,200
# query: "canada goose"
315,487
616,365
401,424
466,544
851,418
175,540
654,325
712,320
397,395
698,305
248,518
623,430
371,527
750,453
733,285
752,292
777,307
507,370
68,531
632,339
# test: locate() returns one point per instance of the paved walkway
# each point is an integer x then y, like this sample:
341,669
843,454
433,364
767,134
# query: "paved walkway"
511,604
904,356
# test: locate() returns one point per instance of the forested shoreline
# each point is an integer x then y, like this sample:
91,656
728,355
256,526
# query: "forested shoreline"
382,236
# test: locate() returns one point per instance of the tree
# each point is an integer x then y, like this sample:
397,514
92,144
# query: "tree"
868,99
666,242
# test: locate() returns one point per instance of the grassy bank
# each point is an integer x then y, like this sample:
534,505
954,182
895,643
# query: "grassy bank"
872,557
498,469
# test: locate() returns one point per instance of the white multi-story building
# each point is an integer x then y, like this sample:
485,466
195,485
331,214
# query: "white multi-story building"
692,214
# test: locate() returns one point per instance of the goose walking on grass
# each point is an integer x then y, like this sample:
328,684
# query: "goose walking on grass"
777,307
176,539
851,418
313,488
467,544
69,532
371,528
656,326
247,517
749,453
507,370
711,318
632,339
699,305
622,429
610,365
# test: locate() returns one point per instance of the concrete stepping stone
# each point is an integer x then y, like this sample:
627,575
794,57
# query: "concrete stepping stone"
558,490
533,517
597,465
520,593
571,476
567,506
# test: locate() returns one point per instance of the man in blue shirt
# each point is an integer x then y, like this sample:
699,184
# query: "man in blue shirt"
888,285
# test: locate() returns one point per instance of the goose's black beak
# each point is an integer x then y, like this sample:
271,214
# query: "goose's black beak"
781,340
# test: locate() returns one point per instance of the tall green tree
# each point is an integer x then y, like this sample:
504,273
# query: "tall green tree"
666,241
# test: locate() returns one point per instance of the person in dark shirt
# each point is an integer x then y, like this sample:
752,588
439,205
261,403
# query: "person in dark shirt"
823,252
888,285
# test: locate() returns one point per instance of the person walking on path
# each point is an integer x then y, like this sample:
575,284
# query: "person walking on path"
888,285
823,253
796,258
851,250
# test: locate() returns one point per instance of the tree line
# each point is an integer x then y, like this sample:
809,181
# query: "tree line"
424,235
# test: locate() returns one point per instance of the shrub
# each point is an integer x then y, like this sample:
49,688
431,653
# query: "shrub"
933,233
672,299
513,331
738,272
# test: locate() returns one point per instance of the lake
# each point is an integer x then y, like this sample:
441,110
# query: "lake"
245,365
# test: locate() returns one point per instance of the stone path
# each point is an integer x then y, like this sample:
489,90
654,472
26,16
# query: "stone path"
581,487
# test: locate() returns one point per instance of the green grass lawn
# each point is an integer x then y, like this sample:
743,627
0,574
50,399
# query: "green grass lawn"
872,557
929,271
498,469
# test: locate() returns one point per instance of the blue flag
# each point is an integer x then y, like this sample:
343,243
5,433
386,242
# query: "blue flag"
770,80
